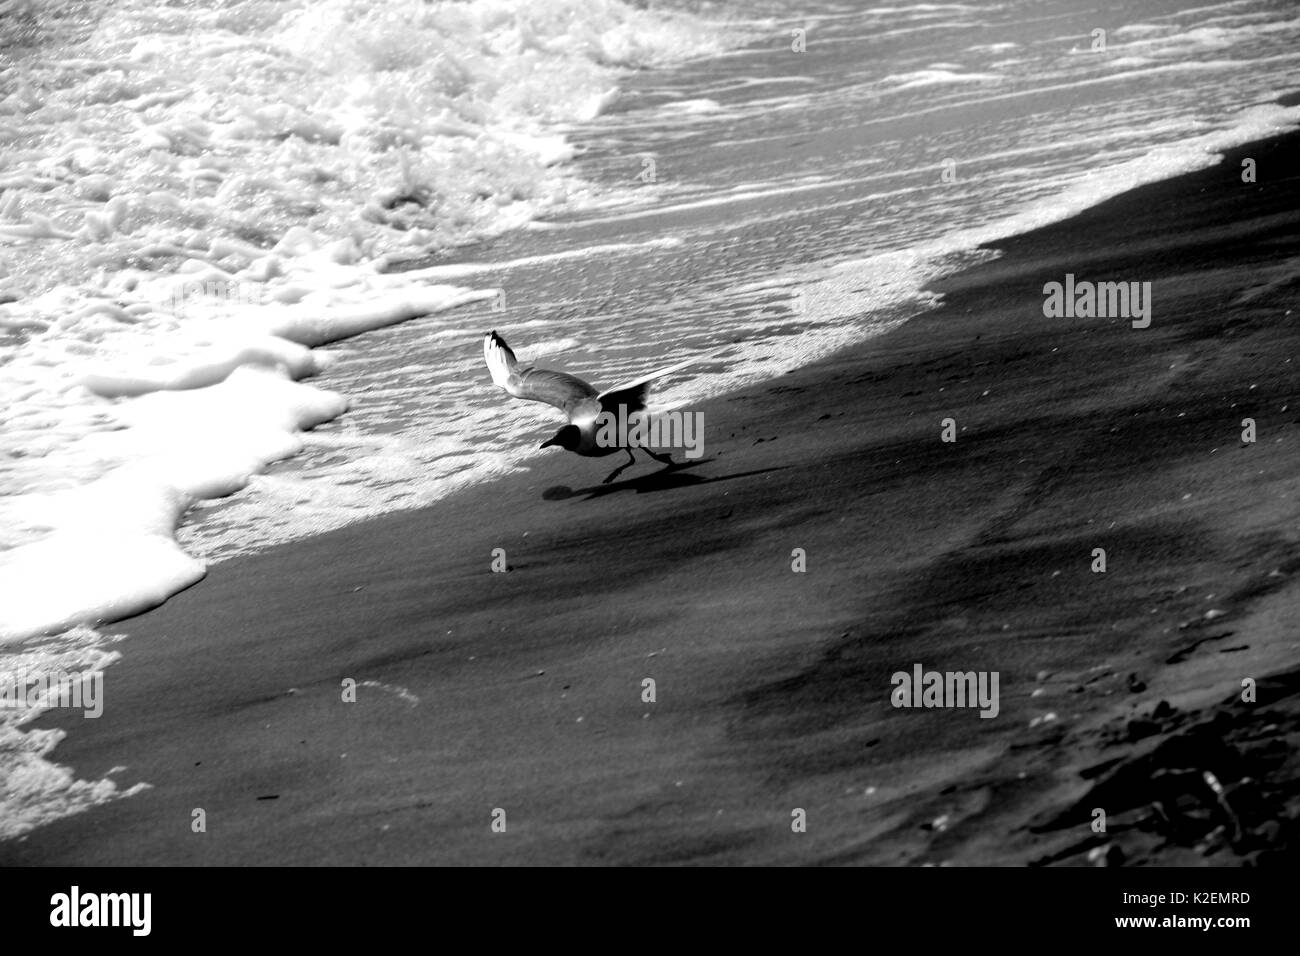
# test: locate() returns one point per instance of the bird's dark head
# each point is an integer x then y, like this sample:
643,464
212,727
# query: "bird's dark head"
568,438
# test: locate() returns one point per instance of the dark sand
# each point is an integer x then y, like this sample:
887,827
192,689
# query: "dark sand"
773,687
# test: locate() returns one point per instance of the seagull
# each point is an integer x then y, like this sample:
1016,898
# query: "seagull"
580,402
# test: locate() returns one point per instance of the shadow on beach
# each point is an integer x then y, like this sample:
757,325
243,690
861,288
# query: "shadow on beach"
665,479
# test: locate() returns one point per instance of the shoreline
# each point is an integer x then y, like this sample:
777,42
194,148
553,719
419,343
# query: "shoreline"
773,687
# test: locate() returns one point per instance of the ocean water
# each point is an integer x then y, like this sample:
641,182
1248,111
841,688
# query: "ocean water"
248,249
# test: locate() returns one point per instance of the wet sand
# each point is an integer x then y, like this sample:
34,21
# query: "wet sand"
523,691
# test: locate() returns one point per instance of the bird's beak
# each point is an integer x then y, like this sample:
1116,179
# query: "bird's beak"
549,442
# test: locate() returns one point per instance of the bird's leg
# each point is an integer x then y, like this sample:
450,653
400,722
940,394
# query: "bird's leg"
631,460
665,459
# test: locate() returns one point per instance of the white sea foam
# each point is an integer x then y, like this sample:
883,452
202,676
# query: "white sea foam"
33,789
100,485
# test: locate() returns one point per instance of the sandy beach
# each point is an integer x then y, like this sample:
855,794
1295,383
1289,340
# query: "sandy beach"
523,691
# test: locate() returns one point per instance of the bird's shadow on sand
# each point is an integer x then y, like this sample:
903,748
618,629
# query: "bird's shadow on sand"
665,479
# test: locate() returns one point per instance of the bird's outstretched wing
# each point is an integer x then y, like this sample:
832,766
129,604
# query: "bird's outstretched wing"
566,392
634,394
